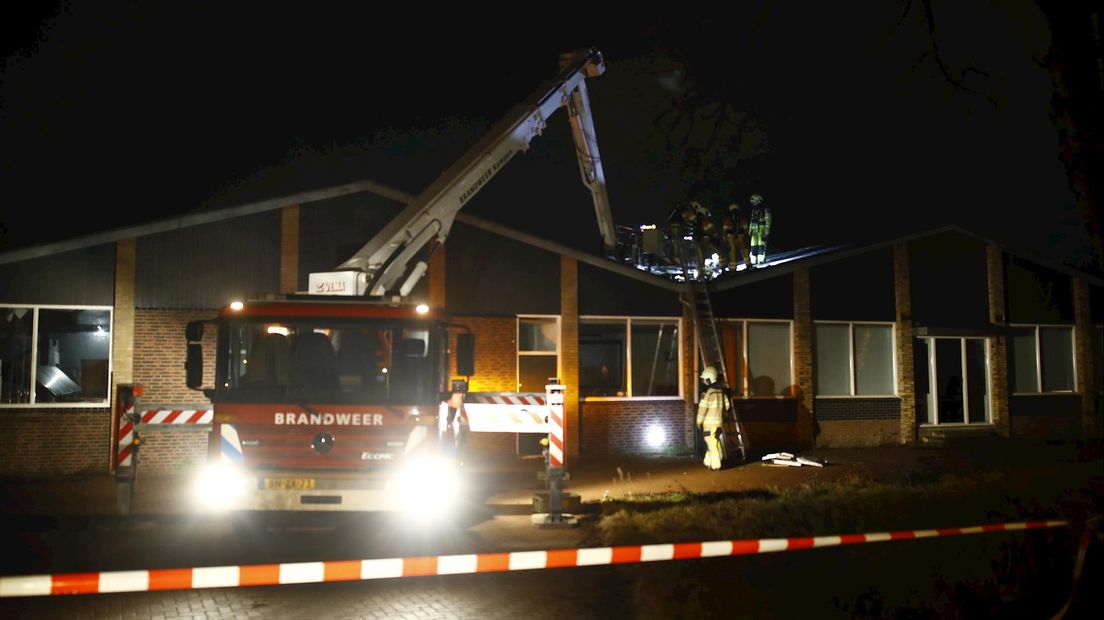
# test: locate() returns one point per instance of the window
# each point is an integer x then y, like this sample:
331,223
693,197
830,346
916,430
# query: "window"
1042,359
538,352
854,359
629,357
55,355
769,367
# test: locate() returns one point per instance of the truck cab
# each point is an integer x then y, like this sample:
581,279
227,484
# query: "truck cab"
325,404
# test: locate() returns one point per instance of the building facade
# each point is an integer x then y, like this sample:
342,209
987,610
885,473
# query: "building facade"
909,340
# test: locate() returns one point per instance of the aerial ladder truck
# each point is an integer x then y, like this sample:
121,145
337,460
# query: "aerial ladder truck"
336,399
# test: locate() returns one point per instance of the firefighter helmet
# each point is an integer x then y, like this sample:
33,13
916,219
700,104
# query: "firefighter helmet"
756,199
709,375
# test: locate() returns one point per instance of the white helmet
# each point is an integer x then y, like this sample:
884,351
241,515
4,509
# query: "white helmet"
709,375
756,199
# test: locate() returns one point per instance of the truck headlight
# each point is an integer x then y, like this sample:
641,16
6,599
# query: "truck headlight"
426,486
219,487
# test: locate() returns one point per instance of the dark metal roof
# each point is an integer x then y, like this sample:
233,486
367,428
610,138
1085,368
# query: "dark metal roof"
778,263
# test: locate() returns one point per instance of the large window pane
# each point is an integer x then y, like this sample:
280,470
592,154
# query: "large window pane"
602,364
874,360
15,355
1057,356
1025,371
72,357
769,358
538,334
948,374
833,366
654,359
977,381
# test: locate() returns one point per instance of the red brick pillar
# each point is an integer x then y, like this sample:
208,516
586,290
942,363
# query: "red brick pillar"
802,390
906,374
998,345
437,278
1087,375
689,373
289,249
569,351
122,332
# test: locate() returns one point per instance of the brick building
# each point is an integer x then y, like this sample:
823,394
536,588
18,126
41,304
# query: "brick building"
902,341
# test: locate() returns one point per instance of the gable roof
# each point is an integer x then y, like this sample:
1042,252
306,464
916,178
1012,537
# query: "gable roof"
779,263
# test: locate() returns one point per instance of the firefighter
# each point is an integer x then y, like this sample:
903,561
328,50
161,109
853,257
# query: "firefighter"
759,229
711,408
735,228
705,235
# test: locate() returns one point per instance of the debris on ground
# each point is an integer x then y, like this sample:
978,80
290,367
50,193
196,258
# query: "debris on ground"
790,460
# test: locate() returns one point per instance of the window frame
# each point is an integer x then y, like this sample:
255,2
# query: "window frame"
519,353
628,322
745,380
932,368
1037,328
853,379
88,404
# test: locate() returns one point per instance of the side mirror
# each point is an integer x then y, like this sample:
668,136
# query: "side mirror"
193,366
465,354
194,331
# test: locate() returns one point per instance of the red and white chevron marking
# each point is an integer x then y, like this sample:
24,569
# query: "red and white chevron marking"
529,399
388,568
555,436
125,445
177,416
505,412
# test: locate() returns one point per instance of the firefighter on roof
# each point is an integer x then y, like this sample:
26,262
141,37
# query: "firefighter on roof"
714,402
705,236
759,229
735,228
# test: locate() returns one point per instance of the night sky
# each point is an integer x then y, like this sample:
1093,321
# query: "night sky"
121,113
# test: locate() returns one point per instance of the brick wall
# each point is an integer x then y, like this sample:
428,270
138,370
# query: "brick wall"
495,353
998,345
173,450
42,443
857,433
906,376
159,354
802,392
1087,376
621,426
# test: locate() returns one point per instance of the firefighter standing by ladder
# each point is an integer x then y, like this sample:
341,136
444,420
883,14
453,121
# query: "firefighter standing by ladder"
711,409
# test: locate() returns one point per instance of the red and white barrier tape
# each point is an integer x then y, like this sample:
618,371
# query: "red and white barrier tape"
351,570
177,416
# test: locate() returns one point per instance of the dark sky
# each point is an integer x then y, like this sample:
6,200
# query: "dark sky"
119,113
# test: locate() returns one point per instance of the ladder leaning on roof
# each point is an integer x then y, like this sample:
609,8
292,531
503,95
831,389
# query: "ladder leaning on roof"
711,353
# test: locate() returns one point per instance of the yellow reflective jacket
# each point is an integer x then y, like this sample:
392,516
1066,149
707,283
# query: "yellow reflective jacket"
711,408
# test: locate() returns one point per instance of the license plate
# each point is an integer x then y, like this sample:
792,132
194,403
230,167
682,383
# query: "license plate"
288,484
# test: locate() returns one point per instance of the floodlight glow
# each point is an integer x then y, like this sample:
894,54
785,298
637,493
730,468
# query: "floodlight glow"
655,436
236,306
421,309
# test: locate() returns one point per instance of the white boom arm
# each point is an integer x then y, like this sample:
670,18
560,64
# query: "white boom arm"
385,260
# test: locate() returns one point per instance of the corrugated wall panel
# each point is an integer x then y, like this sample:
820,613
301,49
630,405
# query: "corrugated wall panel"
81,277
331,231
208,266
488,274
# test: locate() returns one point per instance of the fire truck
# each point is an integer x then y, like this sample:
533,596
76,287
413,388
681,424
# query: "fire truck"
339,398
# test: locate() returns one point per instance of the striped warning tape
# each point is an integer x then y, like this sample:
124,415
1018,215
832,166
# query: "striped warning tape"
387,568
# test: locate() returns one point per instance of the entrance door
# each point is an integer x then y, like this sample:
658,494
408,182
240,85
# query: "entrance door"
955,379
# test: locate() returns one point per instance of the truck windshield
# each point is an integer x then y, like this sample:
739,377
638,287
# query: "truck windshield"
327,362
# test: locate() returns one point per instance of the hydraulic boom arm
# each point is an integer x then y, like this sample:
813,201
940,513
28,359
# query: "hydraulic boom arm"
397,255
